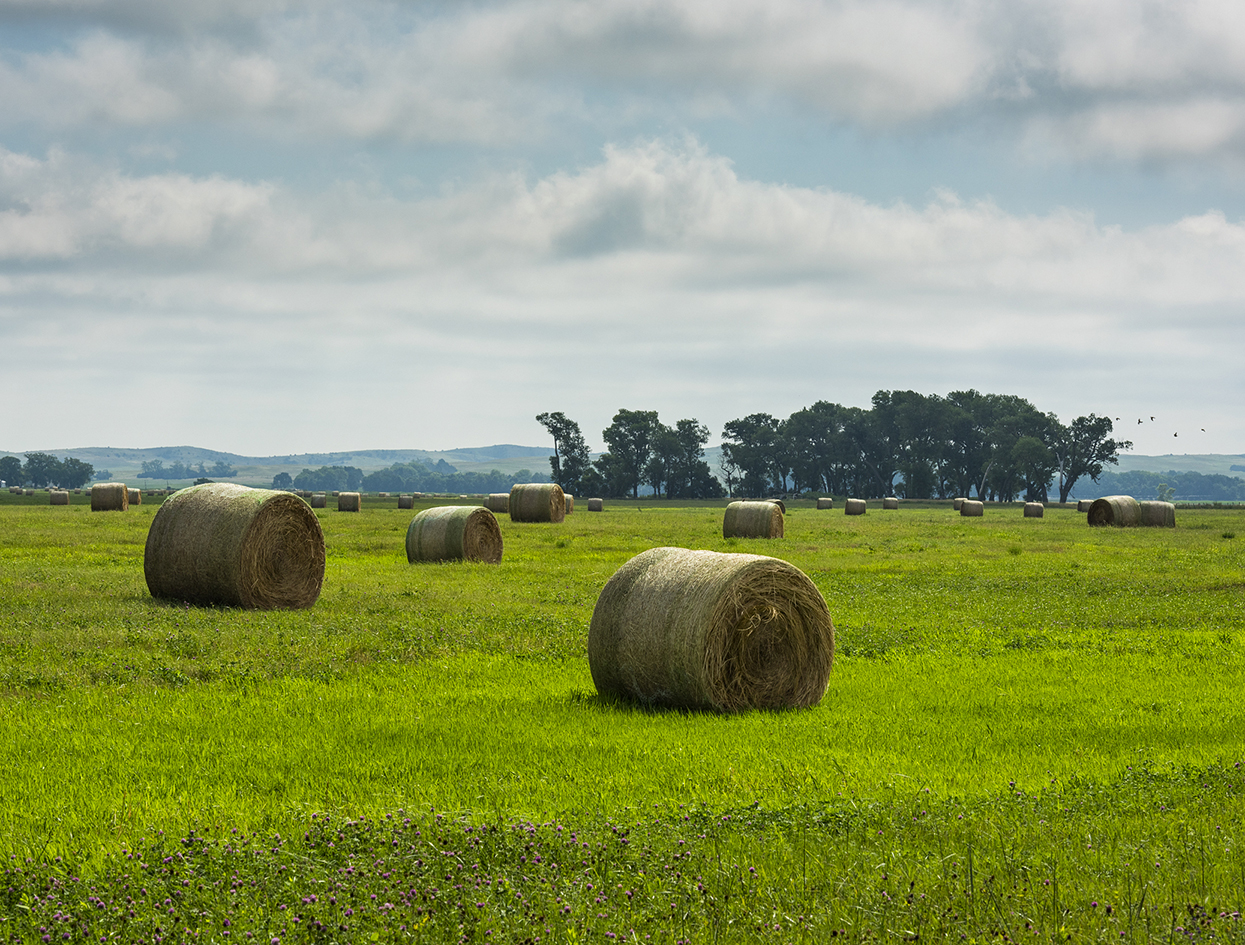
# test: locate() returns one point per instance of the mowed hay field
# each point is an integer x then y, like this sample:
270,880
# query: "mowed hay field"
1033,730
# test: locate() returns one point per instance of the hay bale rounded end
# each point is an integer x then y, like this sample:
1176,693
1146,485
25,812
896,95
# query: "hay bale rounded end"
972,508
1082,505
537,502
702,630
570,502
854,507
596,505
349,501
110,497
227,545
454,533
1118,511
752,520
1034,510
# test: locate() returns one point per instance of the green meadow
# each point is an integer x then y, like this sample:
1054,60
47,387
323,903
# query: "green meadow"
1033,732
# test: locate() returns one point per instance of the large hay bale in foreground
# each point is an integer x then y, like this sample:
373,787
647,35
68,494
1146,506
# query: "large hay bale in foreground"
452,533
136,496
823,504
570,502
698,629
57,497
497,502
854,507
890,502
752,520
110,497
1120,511
958,501
537,502
596,505
318,501
225,544
971,508
1154,514
1082,505
1034,510
406,502
349,501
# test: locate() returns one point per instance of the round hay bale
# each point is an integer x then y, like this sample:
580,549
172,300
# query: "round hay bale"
77,492
596,505
336,493
825,504
318,500
1154,514
971,508
349,501
890,502
1034,509
497,502
570,502
1121,511
406,502
854,507
702,630
29,491
958,501
110,497
537,502
136,496
453,533
224,544
782,506
58,498
1082,505
752,520
382,495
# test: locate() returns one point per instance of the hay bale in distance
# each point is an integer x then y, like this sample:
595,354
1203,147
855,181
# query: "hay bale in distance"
1082,505
1034,509
570,502
890,502
854,507
1121,511
958,501
699,629
1155,514
827,503
349,501
318,500
537,502
596,505
382,495
782,506
752,520
971,508
57,497
136,496
406,502
110,497
453,533
225,544
497,502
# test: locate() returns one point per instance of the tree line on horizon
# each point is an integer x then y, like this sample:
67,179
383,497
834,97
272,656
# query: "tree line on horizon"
414,476
43,469
917,446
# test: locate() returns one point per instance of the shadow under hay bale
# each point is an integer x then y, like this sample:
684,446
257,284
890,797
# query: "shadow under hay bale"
58,498
318,501
1082,505
971,508
1119,511
957,502
1154,514
823,504
497,502
752,520
452,533
537,502
406,502
703,630
349,501
596,505
1034,510
890,502
854,507
227,545
110,497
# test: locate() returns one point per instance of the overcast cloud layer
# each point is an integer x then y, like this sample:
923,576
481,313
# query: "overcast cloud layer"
303,226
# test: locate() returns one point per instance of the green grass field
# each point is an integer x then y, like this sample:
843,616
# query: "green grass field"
1033,731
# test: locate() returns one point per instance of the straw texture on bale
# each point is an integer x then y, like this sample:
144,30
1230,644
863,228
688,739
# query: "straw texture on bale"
825,504
752,520
596,505
57,497
1034,509
406,502
537,502
854,507
1157,514
890,502
452,533
1082,505
225,544
1121,511
498,502
703,630
349,501
136,496
318,501
570,502
957,502
110,497
971,508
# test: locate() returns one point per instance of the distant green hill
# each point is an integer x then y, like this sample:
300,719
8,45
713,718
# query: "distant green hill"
1206,463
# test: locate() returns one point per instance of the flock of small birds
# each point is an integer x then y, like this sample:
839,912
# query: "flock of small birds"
1142,420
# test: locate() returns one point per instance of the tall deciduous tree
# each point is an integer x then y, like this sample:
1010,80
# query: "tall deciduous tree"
75,473
1082,448
570,459
42,469
11,470
630,440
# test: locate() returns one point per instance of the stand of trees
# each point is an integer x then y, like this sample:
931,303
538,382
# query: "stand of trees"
329,479
155,469
44,469
417,477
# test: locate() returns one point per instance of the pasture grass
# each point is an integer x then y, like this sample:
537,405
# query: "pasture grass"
1014,703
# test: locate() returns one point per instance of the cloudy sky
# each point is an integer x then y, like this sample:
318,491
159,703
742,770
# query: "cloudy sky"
272,226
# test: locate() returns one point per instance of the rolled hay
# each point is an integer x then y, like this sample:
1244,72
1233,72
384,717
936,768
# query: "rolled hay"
782,506
537,502
454,533
825,504
15,490
1034,509
57,497
971,508
382,495
752,520
336,493
110,497
406,502
228,545
703,630
136,496
1121,511
596,505
958,501
854,507
497,502
570,502
318,500
349,501
1082,505
890,502
1157,514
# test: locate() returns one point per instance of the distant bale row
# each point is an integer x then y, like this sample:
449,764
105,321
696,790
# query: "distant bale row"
454,532
537,502
110,497
753,520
